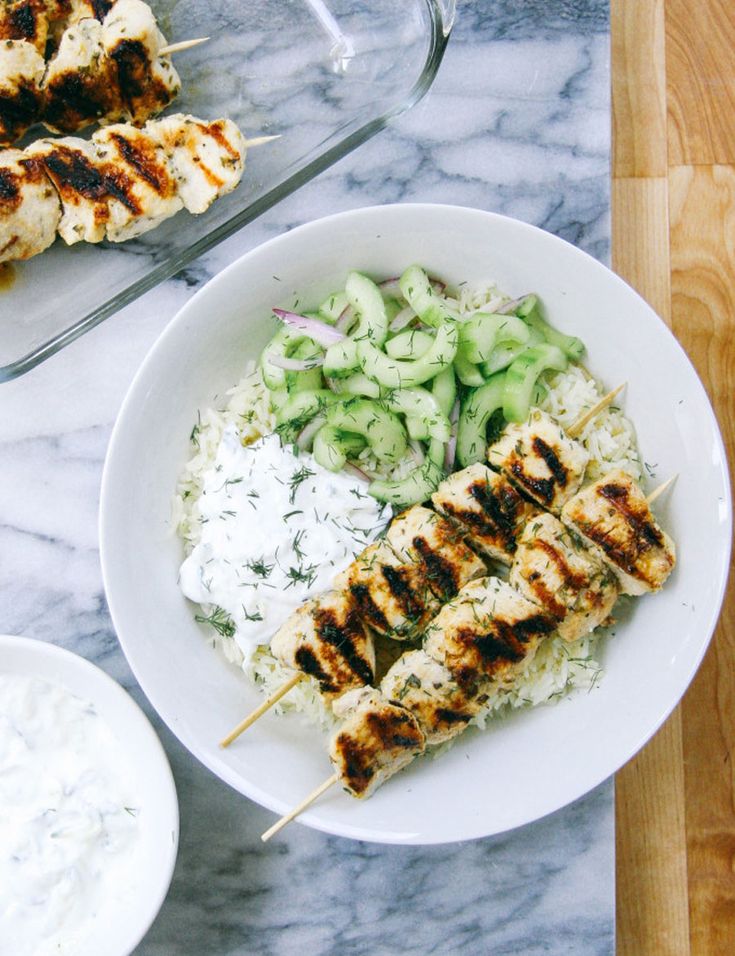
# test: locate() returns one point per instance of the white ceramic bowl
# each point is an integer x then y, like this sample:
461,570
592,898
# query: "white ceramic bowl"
537,760
119,928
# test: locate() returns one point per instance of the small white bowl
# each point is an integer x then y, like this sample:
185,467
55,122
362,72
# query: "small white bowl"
117,930
533,762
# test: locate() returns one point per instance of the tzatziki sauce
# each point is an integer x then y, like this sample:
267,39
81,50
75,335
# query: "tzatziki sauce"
276,527
69,819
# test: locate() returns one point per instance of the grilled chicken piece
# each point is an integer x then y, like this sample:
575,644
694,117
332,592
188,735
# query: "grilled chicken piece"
422,537
425,687
207,159
83,9
390,594
486,631
29,207
377,739
488,509
25,20
326,640
146,81
554,570
613,517
541,460
106,66
81,85
21,72
152,196
84,186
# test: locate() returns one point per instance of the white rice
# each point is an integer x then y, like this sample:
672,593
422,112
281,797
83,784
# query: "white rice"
558,667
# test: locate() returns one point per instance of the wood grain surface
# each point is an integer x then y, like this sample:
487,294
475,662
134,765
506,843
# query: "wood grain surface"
673,76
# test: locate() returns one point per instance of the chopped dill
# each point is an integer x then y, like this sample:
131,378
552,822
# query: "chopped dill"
260,568
194,436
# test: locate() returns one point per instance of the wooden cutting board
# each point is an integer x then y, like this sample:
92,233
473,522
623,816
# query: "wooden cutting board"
673,202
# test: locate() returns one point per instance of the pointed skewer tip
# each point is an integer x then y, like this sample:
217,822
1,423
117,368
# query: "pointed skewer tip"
314,795
180,46
657,492
576,428
259,140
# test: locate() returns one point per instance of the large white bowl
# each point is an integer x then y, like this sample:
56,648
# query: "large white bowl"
118,927
532,763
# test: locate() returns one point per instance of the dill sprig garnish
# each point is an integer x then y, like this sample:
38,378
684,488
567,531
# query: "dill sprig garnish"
220,620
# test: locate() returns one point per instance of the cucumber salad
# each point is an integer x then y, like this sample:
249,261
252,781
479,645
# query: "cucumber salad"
396,367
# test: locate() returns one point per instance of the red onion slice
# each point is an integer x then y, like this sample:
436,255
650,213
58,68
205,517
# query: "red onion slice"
307,434
391,288
401,320
451,449
437,285
356,472
417,451
320,332
510,307
345,320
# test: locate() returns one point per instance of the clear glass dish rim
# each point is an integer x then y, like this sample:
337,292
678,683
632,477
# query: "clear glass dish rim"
441,20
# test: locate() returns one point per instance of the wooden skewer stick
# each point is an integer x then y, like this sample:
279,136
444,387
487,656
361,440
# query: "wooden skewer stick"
259,140
576,428
259,711
181,45
657,492
314,795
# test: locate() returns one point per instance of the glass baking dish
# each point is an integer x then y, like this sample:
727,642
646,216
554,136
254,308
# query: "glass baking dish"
323,75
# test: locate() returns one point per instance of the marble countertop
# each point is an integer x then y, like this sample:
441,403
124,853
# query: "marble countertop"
516,122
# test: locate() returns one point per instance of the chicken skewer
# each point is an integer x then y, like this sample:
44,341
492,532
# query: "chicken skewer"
387,579
478,639
120,184
396,586
575,579
111,64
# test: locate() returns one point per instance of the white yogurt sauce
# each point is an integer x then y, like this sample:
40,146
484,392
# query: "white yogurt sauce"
276,529
69,827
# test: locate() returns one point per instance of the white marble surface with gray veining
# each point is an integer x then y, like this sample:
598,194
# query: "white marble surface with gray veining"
517,122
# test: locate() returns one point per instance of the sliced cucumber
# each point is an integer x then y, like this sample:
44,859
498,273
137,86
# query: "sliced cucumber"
397,373
411,344
365,298
418,486
424,417
332,447
381,429
478,407
417,291
521,378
